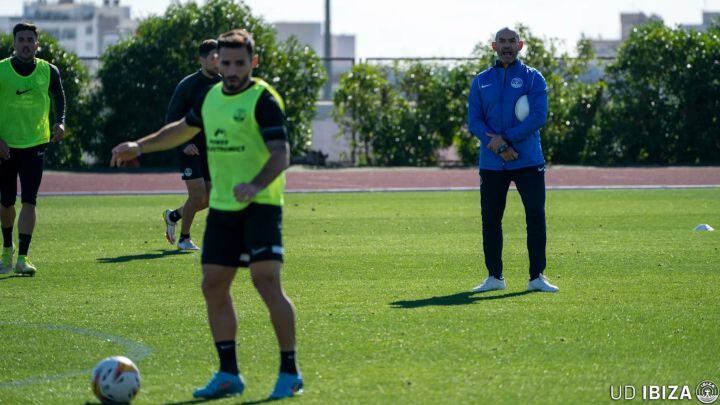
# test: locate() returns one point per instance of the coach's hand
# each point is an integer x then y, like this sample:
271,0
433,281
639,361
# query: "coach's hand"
4,150
245,192
124,153
58,131
496,141
509,154
191,149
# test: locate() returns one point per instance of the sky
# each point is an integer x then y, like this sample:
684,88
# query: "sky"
450,28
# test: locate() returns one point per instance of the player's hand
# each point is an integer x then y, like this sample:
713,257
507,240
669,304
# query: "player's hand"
58,131
124,153
4,150
245,192
496,141
191,149
509,154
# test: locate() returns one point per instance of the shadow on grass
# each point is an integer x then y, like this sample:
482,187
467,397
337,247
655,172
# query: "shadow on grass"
143,256
201,400
463,298
9,276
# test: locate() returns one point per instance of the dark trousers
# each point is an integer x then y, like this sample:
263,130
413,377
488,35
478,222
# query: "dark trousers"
494,185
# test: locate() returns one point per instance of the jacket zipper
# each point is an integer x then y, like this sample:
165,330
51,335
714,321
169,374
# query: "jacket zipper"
502,104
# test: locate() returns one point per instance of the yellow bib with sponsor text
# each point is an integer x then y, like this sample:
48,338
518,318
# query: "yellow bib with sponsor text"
235,146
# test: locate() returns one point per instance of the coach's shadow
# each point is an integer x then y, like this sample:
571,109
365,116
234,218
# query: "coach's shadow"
9,276
463,298
143,256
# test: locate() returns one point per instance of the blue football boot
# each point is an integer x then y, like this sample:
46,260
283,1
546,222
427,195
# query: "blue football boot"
287,385
222,384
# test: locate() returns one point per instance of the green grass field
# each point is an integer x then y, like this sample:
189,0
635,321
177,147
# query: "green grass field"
381,284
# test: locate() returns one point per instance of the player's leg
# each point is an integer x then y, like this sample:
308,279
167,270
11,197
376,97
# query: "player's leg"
530,183
263,233
198,186
216,284
8,192
494,186
197,201
266,279
189,170
31,165
220,260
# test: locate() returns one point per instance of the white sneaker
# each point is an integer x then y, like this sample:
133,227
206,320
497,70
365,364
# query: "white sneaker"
187,244
491,283
542,284
169,227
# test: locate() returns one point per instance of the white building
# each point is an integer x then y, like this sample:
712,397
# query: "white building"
84,28
708,17
607,48
312,35
326,133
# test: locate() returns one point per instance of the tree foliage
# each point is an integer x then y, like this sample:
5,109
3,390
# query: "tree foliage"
657,104
663,99
74,76
366,107
139,75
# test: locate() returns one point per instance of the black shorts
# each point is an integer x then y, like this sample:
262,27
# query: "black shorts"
238,238
29,164
194,166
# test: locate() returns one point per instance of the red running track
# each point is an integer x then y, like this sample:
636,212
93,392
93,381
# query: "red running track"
302,179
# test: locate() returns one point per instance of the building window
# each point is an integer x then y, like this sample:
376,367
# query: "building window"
55,33
88,30
67,33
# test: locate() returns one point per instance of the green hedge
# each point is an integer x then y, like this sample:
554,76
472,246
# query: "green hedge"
138,76
657,104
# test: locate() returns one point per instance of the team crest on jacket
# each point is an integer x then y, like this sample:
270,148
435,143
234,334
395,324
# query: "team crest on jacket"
240,115
516,83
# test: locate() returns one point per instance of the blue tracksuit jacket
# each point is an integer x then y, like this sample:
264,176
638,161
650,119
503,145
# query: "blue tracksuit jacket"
491,108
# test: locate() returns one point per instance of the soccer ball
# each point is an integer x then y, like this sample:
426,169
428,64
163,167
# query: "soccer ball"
115,380
522,108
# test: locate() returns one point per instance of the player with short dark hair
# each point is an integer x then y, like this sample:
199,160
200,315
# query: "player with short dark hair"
29,86
248,152
193,154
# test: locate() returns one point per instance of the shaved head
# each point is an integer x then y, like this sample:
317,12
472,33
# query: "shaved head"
507,45
506,30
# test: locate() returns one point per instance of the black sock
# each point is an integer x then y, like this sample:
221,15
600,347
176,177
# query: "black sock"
175,215
24,243
184,236
7,236
288,363
228,358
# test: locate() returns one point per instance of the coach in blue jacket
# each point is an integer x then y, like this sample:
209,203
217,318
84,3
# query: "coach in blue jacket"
510,152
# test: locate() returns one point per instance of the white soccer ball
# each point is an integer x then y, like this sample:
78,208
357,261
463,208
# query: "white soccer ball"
115,380
522,108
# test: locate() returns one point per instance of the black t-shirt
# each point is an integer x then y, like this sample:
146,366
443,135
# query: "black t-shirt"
268,114
57,94
187,92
